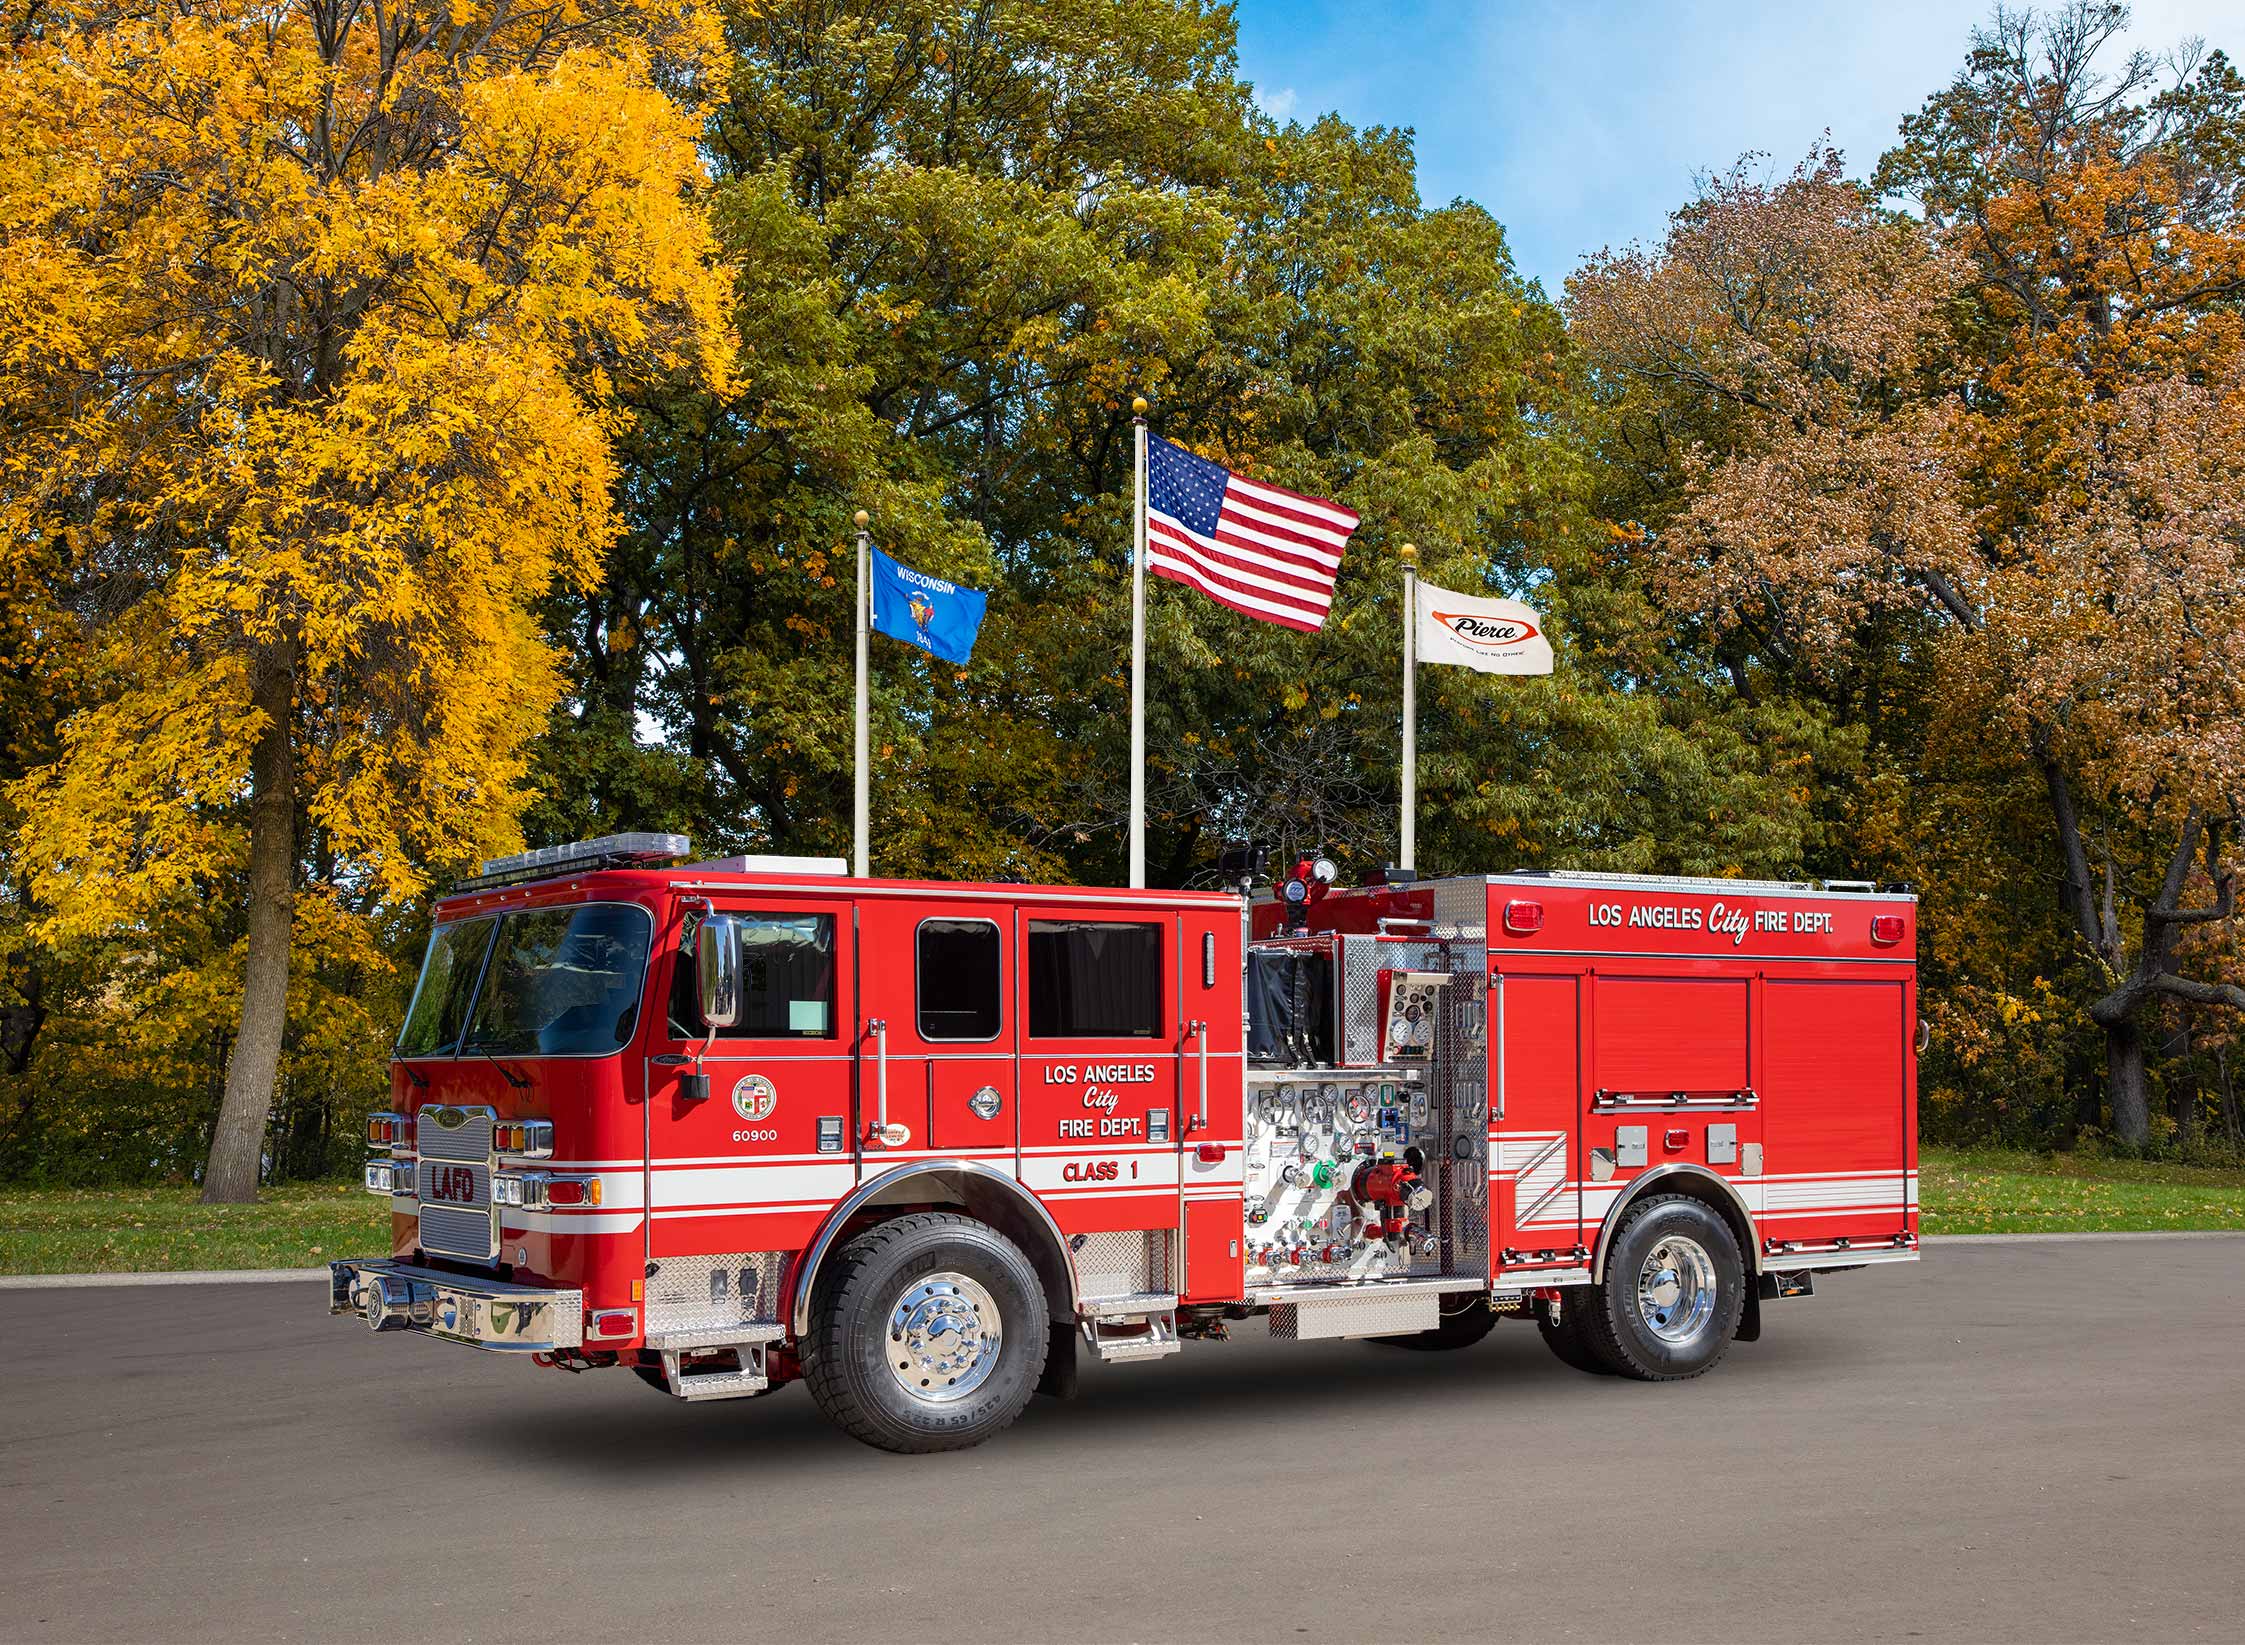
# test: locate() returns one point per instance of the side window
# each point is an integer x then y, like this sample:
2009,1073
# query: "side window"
787,980
1094,979
958,966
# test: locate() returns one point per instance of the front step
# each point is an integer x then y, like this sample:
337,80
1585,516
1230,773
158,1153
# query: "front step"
1141,1332
695,1384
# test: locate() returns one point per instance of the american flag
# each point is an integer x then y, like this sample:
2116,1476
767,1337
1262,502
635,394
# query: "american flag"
1257,548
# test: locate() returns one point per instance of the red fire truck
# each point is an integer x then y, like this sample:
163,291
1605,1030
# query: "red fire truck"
924,1146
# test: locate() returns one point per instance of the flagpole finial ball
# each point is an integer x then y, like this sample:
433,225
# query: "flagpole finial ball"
1408,553
862,519
1138,405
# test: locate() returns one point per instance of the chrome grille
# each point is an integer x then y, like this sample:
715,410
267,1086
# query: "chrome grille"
456,1231
449,1226
468,1141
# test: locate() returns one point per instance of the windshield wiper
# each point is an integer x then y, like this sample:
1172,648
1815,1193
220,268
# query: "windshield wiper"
511,1077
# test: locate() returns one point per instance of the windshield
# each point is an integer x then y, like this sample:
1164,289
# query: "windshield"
562,981
557,982
448,978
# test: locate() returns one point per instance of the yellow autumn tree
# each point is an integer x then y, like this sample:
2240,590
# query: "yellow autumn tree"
314,319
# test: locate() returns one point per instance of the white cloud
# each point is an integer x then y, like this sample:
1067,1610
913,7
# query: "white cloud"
1279,104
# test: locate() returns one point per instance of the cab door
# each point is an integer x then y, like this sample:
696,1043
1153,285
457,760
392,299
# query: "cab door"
1098,999
755,1164
937,980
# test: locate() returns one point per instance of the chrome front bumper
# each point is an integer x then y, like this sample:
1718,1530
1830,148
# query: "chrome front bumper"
483,1313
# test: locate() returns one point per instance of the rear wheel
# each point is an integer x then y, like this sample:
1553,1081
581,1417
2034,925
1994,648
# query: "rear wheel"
1564,1334
928,1334
1675,1285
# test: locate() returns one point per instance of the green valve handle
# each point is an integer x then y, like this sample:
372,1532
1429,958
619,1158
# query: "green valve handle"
1322,1174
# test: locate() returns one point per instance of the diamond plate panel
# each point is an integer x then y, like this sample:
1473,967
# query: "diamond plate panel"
1362,961
1461,1072
703,1293
1126,1264
1371,1315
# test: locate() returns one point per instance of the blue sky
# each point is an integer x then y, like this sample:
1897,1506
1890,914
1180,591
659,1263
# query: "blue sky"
1581,126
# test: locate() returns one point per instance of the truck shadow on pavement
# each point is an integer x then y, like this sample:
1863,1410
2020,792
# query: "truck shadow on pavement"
614,1430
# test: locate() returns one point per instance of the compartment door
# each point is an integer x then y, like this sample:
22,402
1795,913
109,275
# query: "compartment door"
755,1165
1535,1195
1835,1085
938,977
1212,1155
1669,1084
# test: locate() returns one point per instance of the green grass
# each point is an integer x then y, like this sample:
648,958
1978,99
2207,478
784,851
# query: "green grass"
1988,1191
146,1230
149,1230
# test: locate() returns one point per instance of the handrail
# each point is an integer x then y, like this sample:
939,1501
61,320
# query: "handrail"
1614,1102
1200,1031
878,1027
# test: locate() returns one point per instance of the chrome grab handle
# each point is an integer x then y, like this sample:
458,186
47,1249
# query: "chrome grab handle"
879,1028
1199,1031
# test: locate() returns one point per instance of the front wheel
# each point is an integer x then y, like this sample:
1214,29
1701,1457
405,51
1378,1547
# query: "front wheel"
1675,1285
928,1334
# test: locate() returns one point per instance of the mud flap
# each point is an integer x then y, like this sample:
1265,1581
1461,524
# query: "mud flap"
1750,1318
1059,1379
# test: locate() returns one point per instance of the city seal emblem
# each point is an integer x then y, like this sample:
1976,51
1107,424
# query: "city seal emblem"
754,1099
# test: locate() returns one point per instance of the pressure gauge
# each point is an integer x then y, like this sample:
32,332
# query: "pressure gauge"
1307,1145
1332,1093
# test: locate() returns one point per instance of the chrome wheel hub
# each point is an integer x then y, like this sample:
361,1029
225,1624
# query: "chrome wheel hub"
944,1335
1676,1289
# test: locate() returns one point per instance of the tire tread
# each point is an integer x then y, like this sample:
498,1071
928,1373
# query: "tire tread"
826,1351
1597,1324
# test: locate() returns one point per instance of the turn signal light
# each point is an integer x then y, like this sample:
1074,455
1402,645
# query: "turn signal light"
1886,929
387,1130
572,1190
1523,919
533,1139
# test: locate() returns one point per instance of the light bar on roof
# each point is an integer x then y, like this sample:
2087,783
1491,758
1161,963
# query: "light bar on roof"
612,849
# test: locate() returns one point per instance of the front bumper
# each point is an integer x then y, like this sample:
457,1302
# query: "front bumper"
483,1313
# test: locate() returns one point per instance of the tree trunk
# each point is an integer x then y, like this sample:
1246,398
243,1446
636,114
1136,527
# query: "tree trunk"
236,1144
2124,1083
2228,1095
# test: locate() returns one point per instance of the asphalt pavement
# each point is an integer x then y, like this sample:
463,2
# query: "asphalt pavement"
2036,1442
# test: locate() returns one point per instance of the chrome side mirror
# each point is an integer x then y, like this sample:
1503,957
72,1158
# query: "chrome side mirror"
717,970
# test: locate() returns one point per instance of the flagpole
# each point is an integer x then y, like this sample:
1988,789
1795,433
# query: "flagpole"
861,829
1138,653
1410,851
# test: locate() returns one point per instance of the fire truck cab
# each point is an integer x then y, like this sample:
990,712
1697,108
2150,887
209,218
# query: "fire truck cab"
924,1146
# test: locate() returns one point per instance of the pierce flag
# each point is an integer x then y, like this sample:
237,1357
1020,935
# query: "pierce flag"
1493,636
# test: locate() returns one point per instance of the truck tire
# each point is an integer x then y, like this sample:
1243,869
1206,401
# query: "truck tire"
927,1334
1566,1337
1455,1330
1675,1284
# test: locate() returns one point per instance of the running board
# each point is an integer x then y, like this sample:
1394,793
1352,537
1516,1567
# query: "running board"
1115,1337
732,1334
691,1384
